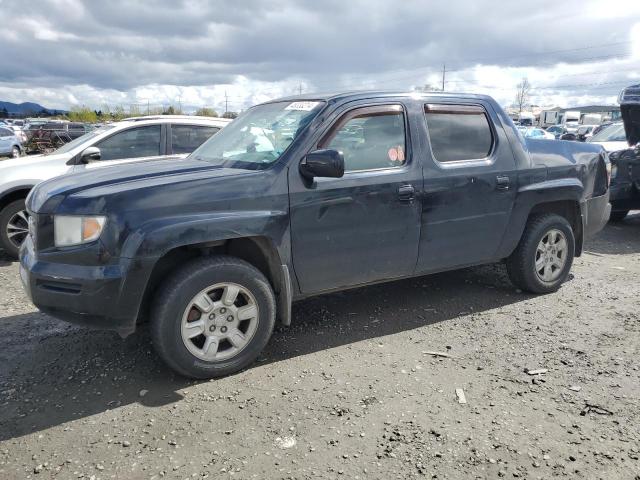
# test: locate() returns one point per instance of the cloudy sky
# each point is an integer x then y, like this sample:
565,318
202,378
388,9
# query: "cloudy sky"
65,53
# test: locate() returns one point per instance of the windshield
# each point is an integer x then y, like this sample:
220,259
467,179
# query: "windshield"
256,139
67,147
613,133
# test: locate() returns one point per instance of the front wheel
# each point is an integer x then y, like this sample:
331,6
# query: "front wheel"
543,258
15,152
213,317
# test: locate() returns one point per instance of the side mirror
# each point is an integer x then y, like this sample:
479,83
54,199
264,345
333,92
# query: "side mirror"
90,154
323,163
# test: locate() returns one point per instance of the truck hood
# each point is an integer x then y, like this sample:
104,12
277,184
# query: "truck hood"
99,183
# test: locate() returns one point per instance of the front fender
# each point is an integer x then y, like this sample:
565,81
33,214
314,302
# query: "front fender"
155,238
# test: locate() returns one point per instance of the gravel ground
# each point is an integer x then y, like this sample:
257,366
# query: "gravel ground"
349,391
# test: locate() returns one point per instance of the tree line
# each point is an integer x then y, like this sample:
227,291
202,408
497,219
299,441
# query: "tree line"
106,113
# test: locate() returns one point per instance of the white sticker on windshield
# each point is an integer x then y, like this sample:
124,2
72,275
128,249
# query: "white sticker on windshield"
306,106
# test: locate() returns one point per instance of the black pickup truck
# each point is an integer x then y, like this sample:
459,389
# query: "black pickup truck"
302,196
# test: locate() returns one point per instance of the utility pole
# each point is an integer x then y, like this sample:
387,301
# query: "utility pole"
148,106
300,89
226,102
444,71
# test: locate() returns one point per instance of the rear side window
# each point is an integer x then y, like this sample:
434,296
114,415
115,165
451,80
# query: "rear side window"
186,138
458,132
370,138
131,143
5,132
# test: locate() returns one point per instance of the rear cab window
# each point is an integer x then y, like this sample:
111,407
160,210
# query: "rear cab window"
458,133
370,138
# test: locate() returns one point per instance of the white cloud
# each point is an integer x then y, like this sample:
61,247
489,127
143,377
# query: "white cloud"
63,53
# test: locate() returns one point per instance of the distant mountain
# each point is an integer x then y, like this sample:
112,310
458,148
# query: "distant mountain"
26,108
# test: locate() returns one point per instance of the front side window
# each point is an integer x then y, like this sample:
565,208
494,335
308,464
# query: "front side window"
370,138
132,143
258,137
186,138
458,132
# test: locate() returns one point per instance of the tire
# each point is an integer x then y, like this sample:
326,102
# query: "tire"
521,265
173,308
618,215
8,214
15,152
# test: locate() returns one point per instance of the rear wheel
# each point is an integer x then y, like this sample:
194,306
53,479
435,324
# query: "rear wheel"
543,258
618,215
213,317
14,227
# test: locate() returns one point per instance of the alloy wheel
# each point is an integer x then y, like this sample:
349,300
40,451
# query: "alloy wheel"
551,256
18,228
219,321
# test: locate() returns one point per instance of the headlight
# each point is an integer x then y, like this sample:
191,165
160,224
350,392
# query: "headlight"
70,230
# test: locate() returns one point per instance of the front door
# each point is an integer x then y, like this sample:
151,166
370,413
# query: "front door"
131,145
365,226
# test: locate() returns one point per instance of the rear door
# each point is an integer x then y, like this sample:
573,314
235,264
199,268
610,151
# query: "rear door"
184,139
365,226
470,182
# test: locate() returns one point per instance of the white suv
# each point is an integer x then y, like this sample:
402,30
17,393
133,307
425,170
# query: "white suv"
131,140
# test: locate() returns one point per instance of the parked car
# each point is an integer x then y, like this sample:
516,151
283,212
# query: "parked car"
601,127
10,144
133,140
557,131
585,132
625,172
569,136
535,132
284,204
19,132
612,138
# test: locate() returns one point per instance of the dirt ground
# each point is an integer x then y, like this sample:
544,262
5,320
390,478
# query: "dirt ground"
349,391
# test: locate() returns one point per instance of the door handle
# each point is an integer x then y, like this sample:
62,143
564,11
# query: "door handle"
502,182
406,193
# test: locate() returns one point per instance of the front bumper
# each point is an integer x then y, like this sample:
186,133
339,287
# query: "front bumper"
94,296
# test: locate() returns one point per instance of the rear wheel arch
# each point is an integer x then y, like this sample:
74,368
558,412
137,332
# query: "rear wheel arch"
568,209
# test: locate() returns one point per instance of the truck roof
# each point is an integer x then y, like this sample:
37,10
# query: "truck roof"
364,94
